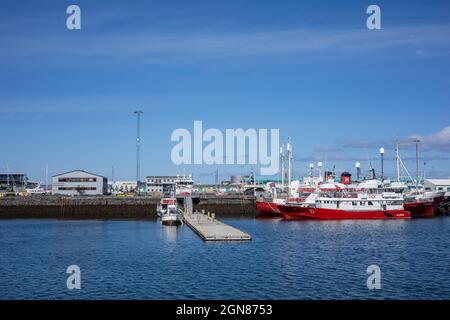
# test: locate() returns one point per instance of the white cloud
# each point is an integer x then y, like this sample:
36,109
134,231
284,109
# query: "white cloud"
438,140
185,46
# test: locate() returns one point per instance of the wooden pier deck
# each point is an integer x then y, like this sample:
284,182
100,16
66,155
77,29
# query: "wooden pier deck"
210,229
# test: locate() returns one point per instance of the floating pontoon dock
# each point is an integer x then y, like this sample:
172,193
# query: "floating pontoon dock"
210,229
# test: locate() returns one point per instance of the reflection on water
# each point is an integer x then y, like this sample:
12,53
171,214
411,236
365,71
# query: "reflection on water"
285,260
170,233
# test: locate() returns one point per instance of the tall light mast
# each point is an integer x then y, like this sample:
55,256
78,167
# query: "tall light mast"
138,149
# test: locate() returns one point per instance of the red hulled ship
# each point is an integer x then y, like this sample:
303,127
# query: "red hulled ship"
423,205
349,206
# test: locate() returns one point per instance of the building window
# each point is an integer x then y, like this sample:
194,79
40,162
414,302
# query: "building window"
77,179
77,188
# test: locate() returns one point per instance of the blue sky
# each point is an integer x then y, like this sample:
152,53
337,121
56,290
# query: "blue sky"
310,68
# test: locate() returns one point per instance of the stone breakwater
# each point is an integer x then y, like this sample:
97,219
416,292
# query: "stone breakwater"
140,207
109,207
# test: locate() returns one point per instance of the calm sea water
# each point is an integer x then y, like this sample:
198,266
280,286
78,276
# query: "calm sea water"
285,260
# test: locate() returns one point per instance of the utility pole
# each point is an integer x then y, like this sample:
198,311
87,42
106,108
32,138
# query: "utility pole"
46,177
217,179
138,147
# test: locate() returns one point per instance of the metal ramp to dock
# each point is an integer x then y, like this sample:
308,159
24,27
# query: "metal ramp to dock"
210,229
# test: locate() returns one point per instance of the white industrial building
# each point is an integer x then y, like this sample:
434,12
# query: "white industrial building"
165,184
79,182
123,186
438,185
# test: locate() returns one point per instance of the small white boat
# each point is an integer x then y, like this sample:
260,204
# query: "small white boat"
170,212
34,188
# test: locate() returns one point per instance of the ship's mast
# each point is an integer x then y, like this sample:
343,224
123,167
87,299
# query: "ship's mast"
417,162
289,151
397,149
282,164
400,163
319,170
424,170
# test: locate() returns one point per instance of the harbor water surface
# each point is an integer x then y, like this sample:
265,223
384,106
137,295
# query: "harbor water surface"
142,259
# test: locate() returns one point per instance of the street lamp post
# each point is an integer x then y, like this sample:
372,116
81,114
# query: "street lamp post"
138,147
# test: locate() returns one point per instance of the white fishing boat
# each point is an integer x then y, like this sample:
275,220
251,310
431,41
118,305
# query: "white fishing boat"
170,211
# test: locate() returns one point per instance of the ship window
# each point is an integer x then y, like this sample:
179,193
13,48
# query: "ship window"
448,189
354,203
370,203
440,188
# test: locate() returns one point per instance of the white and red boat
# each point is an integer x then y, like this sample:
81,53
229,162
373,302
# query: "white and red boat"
348,206
269,208
296,193
423,204
296,210
169,211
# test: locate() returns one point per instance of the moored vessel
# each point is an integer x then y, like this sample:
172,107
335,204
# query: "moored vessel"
423,204
348,206
268,208
169,211
358,206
